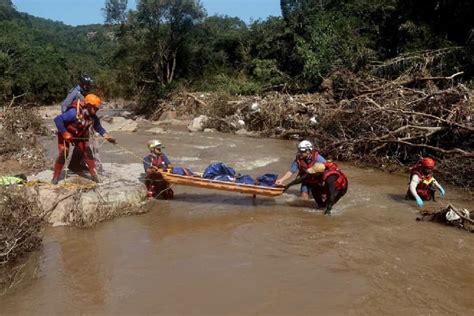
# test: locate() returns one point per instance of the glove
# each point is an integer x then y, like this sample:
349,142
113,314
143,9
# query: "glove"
67,136
419,202
111,140
441,190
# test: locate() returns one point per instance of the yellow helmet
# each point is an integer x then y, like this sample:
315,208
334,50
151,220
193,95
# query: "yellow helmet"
92,99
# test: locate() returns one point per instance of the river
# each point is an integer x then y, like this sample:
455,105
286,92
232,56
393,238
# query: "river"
219,253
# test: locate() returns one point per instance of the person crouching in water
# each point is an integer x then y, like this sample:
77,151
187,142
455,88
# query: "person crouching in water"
74,126
327,183
423,185
155,161
306,157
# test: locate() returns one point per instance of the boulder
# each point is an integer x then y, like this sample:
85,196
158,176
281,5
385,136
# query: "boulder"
126,114
198,123
118,123
77,201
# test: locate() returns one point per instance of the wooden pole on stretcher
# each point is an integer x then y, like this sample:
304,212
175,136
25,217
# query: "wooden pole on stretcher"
254,190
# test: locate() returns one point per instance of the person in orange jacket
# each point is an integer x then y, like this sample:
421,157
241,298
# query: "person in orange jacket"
74,127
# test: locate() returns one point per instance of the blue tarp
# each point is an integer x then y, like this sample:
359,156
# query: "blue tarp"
246,179
182,171
267,179
218,169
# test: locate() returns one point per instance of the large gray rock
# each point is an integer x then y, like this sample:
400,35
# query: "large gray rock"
118,123
77,201
198,123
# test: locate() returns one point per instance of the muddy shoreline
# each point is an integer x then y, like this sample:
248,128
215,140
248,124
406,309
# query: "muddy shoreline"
218,253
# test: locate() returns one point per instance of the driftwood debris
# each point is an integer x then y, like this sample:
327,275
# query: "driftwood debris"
452,216
361,118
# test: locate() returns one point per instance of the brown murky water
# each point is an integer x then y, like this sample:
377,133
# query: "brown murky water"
216,253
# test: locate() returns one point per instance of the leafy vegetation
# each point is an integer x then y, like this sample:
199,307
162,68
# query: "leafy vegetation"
163,45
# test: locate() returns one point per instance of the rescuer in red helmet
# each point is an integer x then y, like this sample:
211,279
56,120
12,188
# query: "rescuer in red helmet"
422,183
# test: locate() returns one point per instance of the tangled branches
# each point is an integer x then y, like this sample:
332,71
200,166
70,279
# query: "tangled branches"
360,118
20,227
450,215
19,127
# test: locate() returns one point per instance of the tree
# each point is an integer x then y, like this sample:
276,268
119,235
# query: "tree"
151,42
115,11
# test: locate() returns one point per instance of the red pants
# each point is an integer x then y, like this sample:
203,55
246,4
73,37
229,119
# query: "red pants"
63,149
157,187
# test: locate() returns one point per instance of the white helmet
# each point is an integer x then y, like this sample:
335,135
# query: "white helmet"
152,144
304,146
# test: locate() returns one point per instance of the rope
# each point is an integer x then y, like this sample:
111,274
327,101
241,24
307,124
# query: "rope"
66,185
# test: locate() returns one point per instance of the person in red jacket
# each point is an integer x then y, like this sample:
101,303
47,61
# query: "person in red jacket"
423,185
305,158
327,182
74,127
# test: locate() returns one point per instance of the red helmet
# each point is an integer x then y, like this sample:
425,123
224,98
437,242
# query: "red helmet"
428,163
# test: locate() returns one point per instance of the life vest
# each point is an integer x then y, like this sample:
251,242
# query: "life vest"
81,127
332,169
303,165
157,161
425,188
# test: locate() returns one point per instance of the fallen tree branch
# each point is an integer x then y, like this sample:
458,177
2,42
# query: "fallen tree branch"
437,149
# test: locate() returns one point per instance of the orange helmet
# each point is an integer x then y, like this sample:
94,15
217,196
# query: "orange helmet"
428,163
92,99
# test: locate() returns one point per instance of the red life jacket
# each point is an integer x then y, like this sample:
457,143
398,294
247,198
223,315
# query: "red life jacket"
157,161
333,169
424,188
303,165
81,127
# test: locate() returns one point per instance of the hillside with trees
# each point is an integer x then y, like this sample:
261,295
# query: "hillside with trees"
162,45
41,59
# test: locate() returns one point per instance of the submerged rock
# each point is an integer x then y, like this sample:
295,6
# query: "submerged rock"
156,130
78,201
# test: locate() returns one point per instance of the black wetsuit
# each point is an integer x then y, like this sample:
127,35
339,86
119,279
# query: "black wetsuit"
329,187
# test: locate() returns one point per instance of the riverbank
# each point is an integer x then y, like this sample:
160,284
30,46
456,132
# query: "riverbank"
360,119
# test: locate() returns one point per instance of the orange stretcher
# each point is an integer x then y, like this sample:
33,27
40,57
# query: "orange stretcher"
196,181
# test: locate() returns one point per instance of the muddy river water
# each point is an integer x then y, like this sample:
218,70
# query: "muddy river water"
219,253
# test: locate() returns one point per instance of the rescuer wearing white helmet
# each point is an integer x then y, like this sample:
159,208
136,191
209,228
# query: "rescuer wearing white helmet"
306,157
154,163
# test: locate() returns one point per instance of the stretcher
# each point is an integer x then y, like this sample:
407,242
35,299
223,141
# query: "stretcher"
197,181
